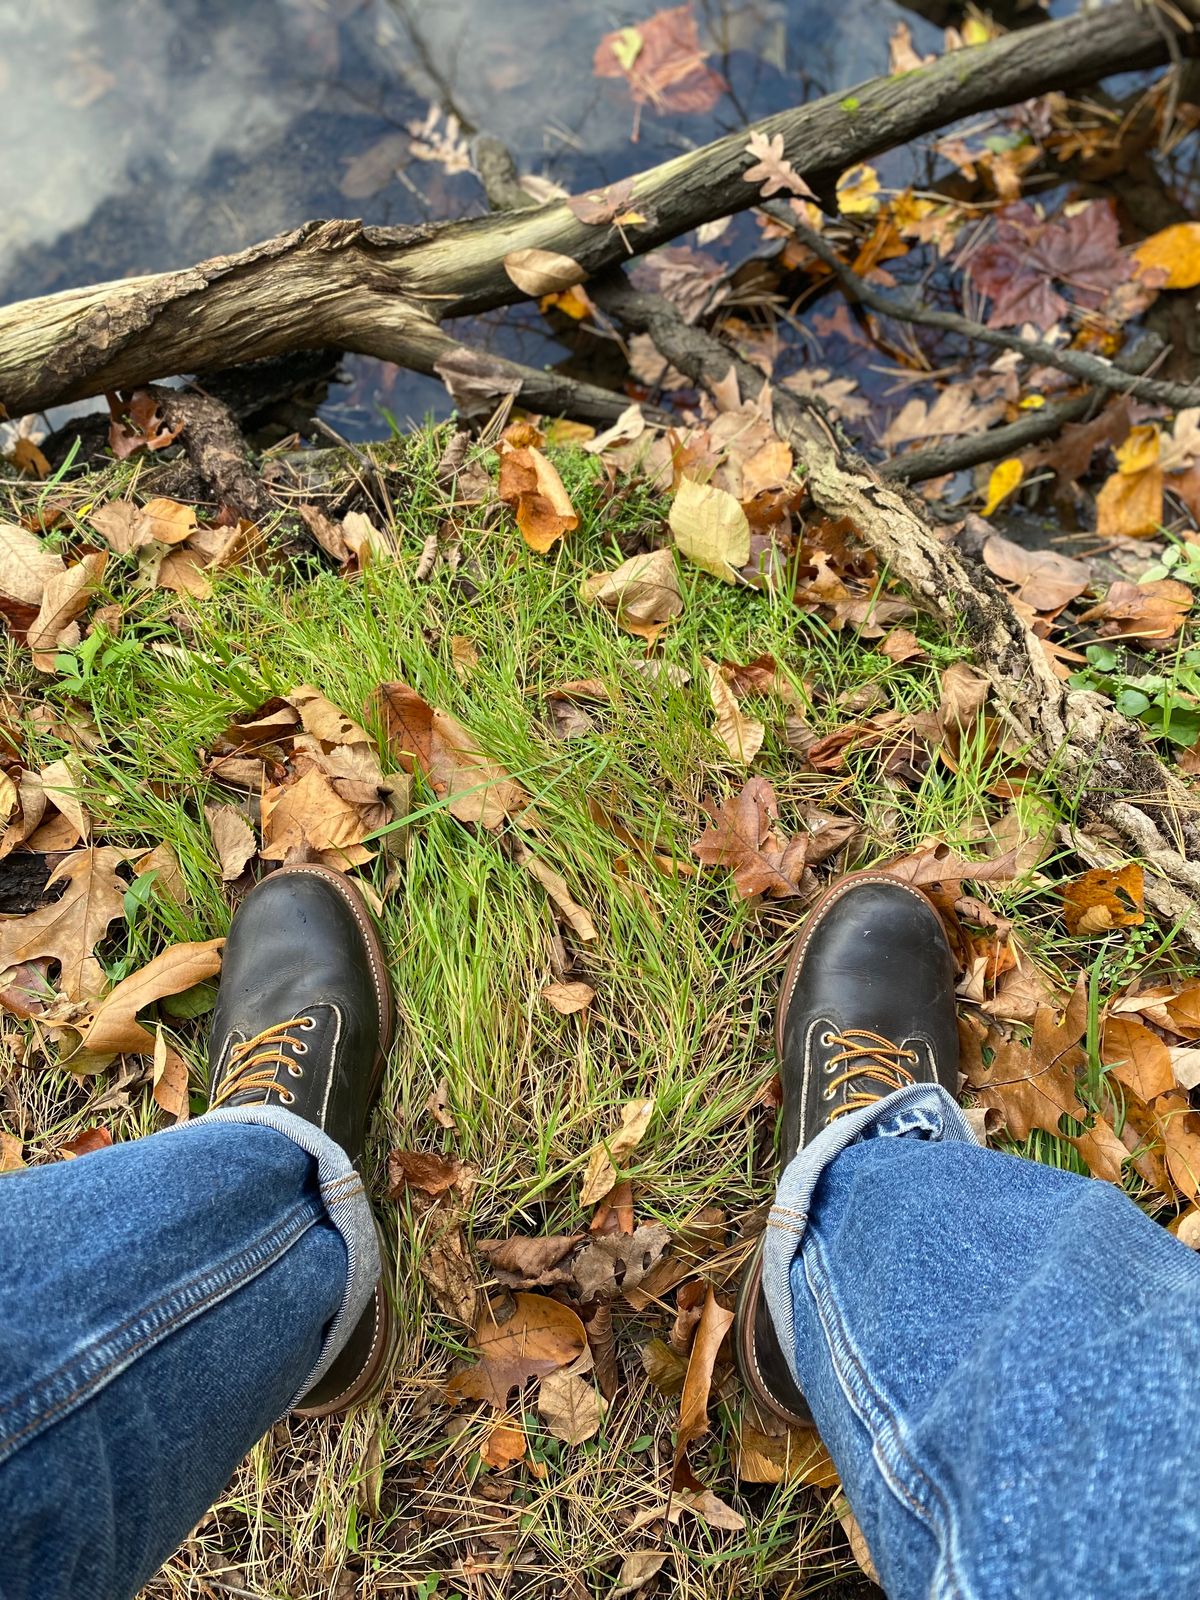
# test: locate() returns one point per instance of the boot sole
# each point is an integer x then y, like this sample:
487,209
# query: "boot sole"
750,1291
370,1375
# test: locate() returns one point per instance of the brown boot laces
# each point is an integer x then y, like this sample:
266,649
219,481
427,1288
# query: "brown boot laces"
867,1055
254,1064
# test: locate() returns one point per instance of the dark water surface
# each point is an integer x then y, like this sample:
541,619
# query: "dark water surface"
144,135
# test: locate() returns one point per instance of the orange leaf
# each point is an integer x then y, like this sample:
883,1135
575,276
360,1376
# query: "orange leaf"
1100,900
540,1336
1138,1058
531,485
715,1323
474,787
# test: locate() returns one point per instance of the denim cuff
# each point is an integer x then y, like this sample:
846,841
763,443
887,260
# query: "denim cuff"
919,1110
348,1208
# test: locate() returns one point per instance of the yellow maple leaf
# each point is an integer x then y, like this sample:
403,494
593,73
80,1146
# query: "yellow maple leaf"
1131,501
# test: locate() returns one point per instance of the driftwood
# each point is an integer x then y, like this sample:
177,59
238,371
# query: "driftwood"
384,291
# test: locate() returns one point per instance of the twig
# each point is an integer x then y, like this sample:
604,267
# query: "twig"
1089,369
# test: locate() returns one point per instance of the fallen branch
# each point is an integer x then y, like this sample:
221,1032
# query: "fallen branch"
382,291
1099,373
1127,801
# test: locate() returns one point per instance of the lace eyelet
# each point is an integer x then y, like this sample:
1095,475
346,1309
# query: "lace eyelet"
827,1094
295,1072
288,1098
299,1047
308,1022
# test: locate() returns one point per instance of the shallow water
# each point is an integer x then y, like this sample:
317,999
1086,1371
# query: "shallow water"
147,135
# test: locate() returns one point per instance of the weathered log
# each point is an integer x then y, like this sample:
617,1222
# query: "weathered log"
383,291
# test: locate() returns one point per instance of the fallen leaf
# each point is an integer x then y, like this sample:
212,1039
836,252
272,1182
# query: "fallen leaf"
308,818
1030,260
67,929
616,1263
169,1080
642,593
1005,478
662,62
445,1263
637,1569
11,1159
794,1456
541,272
504,1445
1179,1127
425,1170
601,1172
742,837
113,1025
715,1323
475,381
1130,502
474,787
539,1337
577,918
65,597
1099,900
138,424
1143,610
61,786
857,1540
1173,251
710,528
570,1407
531,485
709,1507
529,1263
938,863
771,170
232,839
858,191
29,459
1137,1057
742,736
26,567
602,205
85,1143
568,998
1046,580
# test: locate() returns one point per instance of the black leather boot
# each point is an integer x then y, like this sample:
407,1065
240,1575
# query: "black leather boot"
303,1021
867,1006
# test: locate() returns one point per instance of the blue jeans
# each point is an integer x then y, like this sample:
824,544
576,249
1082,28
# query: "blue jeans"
1003,1360
162,1303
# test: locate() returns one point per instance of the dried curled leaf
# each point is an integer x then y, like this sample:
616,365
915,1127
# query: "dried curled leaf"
531,485
642,593
601,1173
1099,900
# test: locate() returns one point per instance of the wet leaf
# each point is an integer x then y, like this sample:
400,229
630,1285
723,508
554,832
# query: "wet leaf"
741,735
1030,261
539,1337
531,485
662,62
541,272
742,837
601,1173
642,593
1172,256
474,787
570,1407
710,529
68,929
858,191
113,1025
1005,478
1046,580
1099,900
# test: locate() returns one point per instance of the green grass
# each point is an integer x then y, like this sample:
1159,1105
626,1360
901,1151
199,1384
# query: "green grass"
685,976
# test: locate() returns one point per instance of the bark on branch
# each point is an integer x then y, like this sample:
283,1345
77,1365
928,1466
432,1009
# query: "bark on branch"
383,291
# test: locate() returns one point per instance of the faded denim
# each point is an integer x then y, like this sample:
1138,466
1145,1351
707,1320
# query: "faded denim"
162,1303
1003,1359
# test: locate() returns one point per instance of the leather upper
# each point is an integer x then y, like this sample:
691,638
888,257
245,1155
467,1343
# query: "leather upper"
297,953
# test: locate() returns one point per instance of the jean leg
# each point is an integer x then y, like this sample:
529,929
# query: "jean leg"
1004,1361
162,1303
